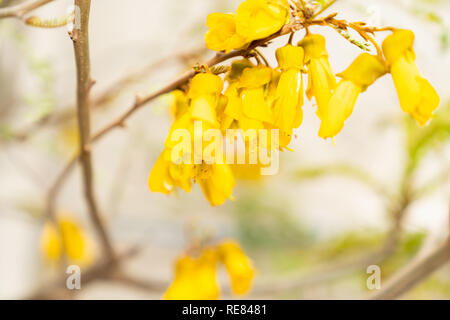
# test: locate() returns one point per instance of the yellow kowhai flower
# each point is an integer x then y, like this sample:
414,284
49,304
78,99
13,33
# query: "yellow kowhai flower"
321,80
195,278
253,84
288,104
234,107
257,19
417,96
362,73
180,103
216,181
238,265
166,175
204,93
69,239
222,35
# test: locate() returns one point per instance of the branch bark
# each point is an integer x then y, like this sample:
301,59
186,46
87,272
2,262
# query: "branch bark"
414,273
84,84
20,10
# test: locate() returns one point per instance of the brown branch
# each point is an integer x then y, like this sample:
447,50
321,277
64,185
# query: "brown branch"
414,273
20,10
84,84
103,269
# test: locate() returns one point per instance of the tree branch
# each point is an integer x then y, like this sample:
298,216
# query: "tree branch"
414,273
20,10
84,84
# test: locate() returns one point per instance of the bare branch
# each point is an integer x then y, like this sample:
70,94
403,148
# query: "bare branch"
414,273
84,84
20,10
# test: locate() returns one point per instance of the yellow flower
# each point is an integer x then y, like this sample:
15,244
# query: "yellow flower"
217,182
321,81
238,265
252,83
288,104
69,239
362,73
180,104
222,35
204,93
417,96
257,19
166,175
195,278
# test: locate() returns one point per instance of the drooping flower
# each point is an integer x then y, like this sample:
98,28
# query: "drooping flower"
180,103
362,73
288,103
417,96
238,265
195,278
257,19
67,238
321,79
217,182
196,275
166,174
222,35
253,85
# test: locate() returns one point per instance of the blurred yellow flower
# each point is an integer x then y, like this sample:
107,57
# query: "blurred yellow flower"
417,96
196,277
257,19
222,35
321,79
179,104
362,73
217,182
238,265
69,239
166,175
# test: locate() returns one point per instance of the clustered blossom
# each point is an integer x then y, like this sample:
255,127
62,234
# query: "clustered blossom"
256,96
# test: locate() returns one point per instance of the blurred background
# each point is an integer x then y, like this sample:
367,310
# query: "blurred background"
380,196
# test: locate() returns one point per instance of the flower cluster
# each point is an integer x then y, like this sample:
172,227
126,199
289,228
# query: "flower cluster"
196,276
254,96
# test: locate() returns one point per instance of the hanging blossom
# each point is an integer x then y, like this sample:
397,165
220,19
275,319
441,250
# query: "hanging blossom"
255,98
196,275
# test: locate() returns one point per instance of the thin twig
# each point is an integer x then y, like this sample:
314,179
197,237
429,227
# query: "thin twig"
84,84
20,10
